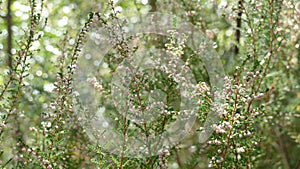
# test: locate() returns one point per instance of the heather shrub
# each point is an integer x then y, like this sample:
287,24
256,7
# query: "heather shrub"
150,84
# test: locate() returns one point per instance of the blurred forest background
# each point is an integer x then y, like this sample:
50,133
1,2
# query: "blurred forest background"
40,41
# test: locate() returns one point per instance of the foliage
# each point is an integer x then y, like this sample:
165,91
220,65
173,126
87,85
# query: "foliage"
259,45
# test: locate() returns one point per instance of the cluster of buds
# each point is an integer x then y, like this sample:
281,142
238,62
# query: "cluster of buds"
97,86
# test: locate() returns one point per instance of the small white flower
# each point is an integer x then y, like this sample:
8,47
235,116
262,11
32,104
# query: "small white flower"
240,150
48,124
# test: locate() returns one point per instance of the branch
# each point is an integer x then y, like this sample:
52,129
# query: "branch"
153,5
3,16
238,26
9,36
283,148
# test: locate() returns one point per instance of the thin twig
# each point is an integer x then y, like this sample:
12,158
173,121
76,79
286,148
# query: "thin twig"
283,148
9,21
